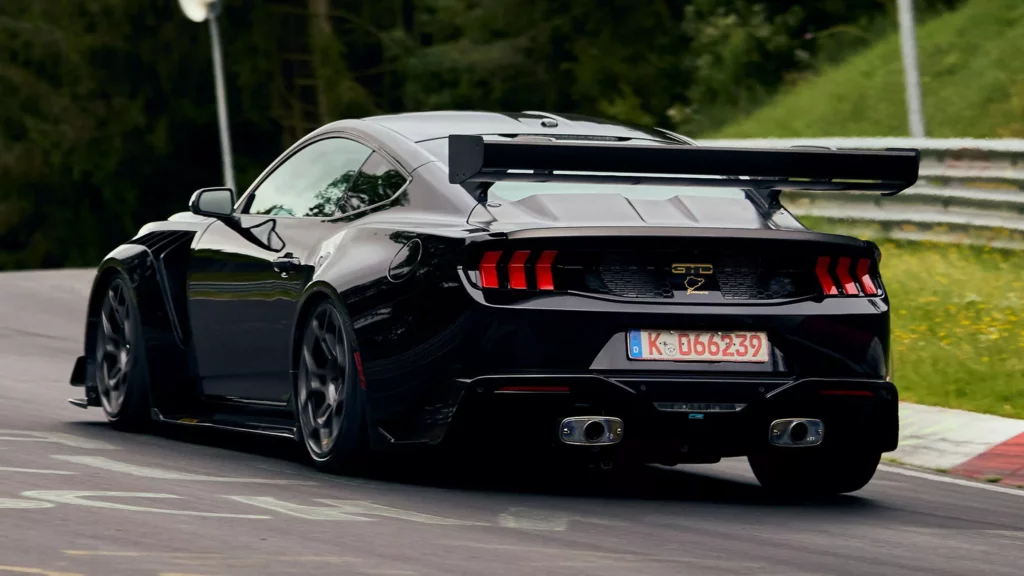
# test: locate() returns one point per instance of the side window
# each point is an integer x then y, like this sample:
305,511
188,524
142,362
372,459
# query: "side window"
312,182
377,181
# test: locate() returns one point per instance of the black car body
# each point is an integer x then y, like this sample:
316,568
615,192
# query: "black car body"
501,275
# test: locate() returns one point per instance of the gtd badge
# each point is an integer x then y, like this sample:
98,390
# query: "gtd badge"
693,269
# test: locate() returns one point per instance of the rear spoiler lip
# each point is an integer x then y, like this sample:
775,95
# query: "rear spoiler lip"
473,159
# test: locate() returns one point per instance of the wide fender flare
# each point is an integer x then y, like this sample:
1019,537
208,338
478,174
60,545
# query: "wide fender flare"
139,266
313,293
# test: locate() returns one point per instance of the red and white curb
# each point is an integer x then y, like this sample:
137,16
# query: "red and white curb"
968,444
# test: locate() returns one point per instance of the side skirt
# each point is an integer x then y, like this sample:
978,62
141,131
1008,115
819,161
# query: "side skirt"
264,426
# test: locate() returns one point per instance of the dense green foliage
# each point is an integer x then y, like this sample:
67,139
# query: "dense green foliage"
972,78
107,117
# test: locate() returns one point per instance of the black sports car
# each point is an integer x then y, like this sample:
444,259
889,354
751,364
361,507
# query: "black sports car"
560,282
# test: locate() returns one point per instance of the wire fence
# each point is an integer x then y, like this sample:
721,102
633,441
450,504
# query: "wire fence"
969,191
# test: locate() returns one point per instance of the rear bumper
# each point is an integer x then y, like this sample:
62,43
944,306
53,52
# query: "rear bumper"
450,388
526,411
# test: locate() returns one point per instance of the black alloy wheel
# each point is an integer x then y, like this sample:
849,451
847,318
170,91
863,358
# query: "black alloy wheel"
121,375
328,398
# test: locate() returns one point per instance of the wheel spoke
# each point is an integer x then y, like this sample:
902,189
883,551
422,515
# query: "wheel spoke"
325,411
108,330
324,340
114,297
311,364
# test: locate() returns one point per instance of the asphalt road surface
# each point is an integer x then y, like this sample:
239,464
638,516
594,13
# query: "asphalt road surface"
79,498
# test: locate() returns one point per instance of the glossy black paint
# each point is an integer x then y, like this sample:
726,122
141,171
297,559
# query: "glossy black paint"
223,302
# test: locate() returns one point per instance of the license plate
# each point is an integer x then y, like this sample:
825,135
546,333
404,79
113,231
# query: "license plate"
697,346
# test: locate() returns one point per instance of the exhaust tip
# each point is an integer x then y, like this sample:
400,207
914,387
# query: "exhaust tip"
796,432
591,430
594,430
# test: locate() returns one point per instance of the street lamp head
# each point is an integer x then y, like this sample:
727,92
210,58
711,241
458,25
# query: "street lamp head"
199,10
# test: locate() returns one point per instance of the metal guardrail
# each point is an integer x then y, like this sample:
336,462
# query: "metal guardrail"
969,191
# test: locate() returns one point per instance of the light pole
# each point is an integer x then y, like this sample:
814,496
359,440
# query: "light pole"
197,11
911,78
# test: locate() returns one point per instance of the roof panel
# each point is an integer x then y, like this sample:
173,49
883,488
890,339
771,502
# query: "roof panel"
419,126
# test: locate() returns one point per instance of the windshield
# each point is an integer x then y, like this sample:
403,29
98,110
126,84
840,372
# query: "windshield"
513,191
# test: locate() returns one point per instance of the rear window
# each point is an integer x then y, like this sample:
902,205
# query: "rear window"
513,191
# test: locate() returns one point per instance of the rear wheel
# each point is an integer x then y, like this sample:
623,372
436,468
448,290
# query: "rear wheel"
328,397
812,471
122,377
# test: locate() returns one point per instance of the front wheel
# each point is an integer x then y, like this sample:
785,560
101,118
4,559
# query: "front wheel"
328,398
813,471
121,374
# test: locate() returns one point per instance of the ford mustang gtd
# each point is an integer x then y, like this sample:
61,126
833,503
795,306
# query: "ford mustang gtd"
616,293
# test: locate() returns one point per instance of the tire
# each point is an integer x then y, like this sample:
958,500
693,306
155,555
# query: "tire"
813,472
120,368
329,402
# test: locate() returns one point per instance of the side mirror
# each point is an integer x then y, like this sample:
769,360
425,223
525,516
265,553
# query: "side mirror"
215,202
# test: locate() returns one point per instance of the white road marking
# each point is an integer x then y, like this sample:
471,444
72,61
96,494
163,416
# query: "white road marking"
23,570
19,504
34,470
534,519
346,510
221,560
369,508
527,519
163,474
55,437
298,510
949,480
80,498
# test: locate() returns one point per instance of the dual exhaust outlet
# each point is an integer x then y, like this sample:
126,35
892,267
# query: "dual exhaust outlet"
605,430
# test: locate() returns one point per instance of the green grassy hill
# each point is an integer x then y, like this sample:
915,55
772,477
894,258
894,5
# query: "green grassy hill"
972,77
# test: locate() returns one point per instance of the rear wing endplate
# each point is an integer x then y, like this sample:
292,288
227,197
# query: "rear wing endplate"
768,171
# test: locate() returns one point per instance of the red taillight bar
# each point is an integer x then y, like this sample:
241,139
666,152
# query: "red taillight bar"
843,271
489,269
517,270
824,278
863,266
545,278
854,282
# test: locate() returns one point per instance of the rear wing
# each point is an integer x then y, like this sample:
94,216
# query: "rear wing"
472,159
